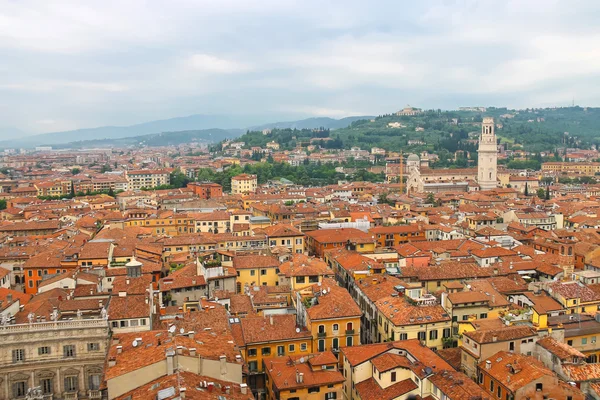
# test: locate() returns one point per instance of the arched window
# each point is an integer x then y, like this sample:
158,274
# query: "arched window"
349,326
321,328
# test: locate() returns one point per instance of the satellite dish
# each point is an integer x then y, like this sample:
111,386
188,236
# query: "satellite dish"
301,360
182,331
324,291
172,329
297,330
135,343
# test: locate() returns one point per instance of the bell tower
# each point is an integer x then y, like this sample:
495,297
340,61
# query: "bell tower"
487,165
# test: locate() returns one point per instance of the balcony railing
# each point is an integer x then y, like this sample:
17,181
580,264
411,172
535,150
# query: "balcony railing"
94,394
70,396
42,326
322,334
349,331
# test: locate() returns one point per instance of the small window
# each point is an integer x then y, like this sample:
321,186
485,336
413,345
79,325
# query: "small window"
291,348
265,351
93,346
251,352
43,350
69,351
303,347
18,355
393,376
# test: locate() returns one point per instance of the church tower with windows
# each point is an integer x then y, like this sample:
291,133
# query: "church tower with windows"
487,166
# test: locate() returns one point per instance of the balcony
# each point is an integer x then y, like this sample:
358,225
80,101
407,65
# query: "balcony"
349,331
322,334
94,394
70,396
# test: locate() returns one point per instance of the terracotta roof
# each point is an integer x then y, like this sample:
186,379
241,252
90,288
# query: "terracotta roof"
255,262
336,303
282,371
561,350
400,312
191,382
522,371
457,386
369,389
513,332
253,330
133,306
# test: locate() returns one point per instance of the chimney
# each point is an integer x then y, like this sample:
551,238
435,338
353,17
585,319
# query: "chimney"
210,386
223,361
182,393
170,362
271,319
112,362
191,334
179,349
488,364
100,303
9,298
119,349
244,388
146,299
300,377
494,338
193,352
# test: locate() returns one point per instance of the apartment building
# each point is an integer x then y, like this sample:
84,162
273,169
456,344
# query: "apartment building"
244,184
138,179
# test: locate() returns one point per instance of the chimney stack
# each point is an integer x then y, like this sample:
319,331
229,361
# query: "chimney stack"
193,352
179,349
182,392
191,334
488,364
244,388
271,319
112,362
170,362
119,349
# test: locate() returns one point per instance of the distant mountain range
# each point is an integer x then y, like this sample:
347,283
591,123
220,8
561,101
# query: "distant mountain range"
205,127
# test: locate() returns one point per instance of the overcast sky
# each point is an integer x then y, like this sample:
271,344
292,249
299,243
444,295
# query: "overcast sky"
83,63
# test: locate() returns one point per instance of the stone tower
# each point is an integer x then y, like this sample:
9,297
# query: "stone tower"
488,156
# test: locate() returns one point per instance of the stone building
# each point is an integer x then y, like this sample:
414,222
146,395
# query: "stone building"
62,359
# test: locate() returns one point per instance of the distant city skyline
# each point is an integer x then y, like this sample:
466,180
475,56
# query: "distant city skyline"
69,65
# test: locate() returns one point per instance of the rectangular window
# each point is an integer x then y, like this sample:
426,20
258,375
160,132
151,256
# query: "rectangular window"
433,335
291,348
331,396
280,351
94,382
69,351
43,350
93,346
18,355
583,340
19,389
303,347
70,383
314,389
46,385
265,351
394,376
252,272
253,366
263,271
133,322
421,336
403,336
251,352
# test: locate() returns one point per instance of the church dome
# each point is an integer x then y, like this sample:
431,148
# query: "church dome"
413,157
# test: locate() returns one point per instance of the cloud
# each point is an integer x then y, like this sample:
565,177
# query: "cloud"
215,65
119,62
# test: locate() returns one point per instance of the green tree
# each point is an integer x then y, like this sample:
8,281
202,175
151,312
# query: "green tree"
526,189
111,192
541,193
547,196
2,204
430,199
75,171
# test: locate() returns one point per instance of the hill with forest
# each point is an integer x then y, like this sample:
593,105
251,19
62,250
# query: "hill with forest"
437,131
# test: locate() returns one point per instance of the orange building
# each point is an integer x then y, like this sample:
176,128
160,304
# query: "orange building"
391,236
206,190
